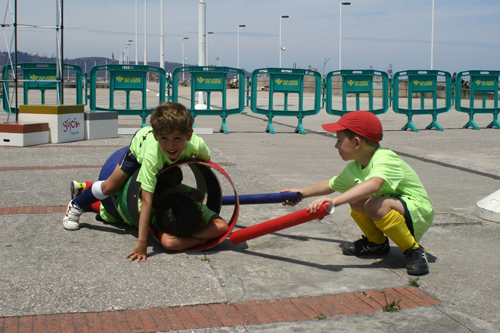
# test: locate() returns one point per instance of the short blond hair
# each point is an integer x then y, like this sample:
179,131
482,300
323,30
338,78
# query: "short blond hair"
170,116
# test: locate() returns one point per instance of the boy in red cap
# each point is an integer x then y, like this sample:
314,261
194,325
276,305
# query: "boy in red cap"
386,196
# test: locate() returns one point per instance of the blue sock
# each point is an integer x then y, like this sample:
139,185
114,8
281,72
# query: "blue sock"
85,199
90,195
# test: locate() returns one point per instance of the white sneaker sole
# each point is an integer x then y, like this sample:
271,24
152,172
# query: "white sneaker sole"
73,189
70,225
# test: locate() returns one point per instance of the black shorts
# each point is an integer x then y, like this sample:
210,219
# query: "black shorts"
128,163
407,216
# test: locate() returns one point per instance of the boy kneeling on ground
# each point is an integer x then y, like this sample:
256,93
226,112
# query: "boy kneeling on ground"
385,194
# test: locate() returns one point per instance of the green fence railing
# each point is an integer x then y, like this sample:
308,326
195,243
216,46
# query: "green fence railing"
127,78
359,83
286,81
208,80
40,77
481,84
420,83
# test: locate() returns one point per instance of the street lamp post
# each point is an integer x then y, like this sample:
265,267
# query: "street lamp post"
145,33
281,47
432,38
183,59
162,38
208,33
340,33
238,42
129,42
124,53
136,44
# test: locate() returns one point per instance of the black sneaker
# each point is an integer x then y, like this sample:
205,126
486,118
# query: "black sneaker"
363,247
416,261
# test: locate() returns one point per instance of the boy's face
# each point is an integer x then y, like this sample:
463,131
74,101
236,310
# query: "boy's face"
173,143
346,147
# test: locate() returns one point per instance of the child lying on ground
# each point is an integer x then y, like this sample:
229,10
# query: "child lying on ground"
181,219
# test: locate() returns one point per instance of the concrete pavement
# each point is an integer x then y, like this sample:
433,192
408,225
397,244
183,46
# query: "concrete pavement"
47,270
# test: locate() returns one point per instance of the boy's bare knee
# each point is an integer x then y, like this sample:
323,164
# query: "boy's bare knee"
373,207
358,206
170,244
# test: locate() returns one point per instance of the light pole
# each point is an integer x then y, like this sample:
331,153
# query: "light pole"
183,57
208,33
124,53
136,44
432,38
162,48
281,47
129,42
340,33
238,50
145,33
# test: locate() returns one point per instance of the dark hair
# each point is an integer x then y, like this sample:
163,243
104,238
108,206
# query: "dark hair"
170,116
351,135
179,215
165,180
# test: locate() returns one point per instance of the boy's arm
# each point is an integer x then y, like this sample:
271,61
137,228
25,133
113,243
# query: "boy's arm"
363,190
215,228
174,243
140,249
321,188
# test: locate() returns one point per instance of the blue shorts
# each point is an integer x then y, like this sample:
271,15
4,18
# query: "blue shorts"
407,216
128,163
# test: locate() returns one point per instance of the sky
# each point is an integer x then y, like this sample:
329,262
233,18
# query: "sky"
375,33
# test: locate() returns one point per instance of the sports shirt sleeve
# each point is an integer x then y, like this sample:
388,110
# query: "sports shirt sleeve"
387,165
344,181
206,213
200,148
384,164
148,153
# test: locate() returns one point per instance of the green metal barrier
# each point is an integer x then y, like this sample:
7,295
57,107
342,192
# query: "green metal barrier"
421,82
209,79
41,77
358,82
127,78
481,82
286,81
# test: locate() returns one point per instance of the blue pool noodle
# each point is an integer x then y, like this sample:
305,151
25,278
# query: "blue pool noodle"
265,198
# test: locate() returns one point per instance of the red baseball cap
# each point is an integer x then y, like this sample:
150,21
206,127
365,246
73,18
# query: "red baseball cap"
363,123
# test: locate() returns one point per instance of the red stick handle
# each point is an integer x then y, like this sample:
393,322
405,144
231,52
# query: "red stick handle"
280,223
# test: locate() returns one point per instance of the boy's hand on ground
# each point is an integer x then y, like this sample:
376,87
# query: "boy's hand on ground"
139,252
288,203
316,204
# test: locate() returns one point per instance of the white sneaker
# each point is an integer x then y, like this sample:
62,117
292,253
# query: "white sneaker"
73,213
76,188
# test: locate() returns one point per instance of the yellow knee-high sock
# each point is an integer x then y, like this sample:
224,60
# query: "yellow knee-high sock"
394,226
368,227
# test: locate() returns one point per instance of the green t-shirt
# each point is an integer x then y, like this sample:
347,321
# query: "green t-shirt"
401,181
120,199
148,153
